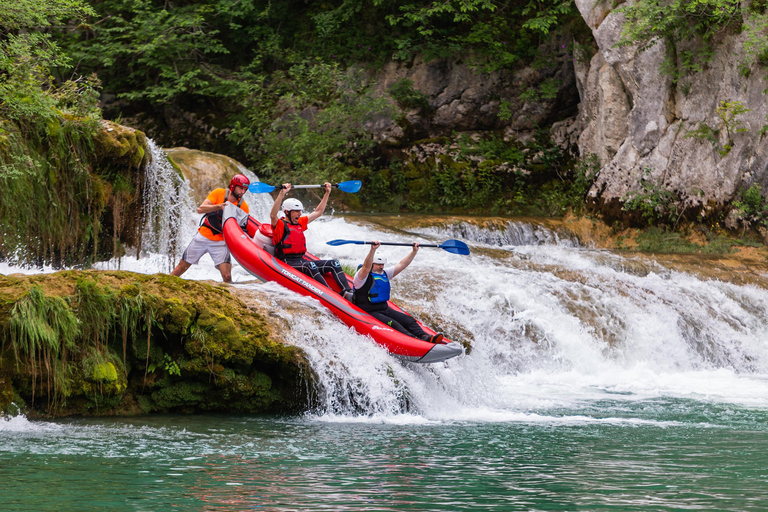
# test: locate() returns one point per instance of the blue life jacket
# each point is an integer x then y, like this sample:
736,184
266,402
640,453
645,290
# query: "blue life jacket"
374,293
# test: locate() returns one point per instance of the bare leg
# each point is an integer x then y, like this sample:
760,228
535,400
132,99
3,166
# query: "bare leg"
182,267
226,271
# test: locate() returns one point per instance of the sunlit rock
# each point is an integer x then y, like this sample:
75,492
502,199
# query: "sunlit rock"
204,171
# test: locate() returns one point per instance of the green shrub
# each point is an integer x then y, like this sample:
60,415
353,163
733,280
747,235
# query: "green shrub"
407,97
654,202
752,206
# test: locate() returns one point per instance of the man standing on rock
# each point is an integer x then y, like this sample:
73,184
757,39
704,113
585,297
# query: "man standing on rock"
209,238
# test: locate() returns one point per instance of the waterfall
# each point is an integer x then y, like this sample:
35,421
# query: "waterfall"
170,217
550,326
502,234
166,204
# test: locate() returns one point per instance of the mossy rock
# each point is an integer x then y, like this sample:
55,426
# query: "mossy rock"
104,372
176,317
191,344
181,395
121,145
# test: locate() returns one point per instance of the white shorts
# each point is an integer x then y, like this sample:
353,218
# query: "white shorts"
201,245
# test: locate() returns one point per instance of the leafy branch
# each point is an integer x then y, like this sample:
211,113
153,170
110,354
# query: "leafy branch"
728,112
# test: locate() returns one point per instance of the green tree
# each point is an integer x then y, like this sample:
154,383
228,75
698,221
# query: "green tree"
651,21
28,57
309,122
503,33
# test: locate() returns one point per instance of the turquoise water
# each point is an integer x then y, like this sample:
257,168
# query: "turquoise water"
650,455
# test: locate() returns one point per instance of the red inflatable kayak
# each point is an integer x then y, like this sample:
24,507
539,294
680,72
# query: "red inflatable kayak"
252,253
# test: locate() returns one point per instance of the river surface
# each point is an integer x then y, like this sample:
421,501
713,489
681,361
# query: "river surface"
593,380
623,453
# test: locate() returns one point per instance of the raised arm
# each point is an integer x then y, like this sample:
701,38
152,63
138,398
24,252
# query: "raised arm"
278,201
320,207
403,263
368,262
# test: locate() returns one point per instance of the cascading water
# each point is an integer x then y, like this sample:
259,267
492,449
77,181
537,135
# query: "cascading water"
167,200
170,217
509,233
550,325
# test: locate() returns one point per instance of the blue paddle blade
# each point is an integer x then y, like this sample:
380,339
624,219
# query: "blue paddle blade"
351,187
455,247
344,242
260,188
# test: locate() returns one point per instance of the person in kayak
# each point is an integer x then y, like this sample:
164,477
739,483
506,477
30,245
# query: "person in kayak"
209,238
291,245
372,293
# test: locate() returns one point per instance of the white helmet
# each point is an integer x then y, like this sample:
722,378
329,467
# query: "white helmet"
292,204
381,260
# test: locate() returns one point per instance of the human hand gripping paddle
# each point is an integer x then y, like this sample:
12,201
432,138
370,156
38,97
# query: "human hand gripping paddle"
351,187
452,246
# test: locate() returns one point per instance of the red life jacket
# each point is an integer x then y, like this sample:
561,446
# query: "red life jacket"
213,220
293,242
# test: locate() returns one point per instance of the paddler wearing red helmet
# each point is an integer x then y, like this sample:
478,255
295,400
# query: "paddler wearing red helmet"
209,238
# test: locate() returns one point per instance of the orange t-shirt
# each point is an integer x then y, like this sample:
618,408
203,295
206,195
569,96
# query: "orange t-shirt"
217,197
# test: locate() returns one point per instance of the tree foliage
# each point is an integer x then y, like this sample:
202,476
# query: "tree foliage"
309,121
689,28
29,55
501,33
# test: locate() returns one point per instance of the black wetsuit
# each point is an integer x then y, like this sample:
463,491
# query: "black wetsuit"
291,246
316,269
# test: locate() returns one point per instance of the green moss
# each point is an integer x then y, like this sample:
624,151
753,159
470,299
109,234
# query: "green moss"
175,316
105,372
77,177
120,144
138,157
180,395
175,166
160,335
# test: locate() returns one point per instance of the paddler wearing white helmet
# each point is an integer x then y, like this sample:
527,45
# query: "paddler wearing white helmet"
372,291
291,244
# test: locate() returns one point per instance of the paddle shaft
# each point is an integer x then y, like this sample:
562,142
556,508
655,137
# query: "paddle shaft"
307,186
403,244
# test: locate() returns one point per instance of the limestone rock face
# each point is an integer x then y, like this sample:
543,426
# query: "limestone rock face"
205,171
638,121
605,111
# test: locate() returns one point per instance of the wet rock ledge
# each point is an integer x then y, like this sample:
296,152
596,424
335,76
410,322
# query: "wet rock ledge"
119,343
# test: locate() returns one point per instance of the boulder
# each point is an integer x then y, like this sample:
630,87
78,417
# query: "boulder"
204,171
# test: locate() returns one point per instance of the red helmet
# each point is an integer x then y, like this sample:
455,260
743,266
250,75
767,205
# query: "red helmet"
239,180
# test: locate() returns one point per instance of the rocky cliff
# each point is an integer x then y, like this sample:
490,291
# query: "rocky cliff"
459,97
642,124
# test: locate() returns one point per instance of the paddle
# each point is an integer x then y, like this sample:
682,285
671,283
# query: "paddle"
453,246
351,187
